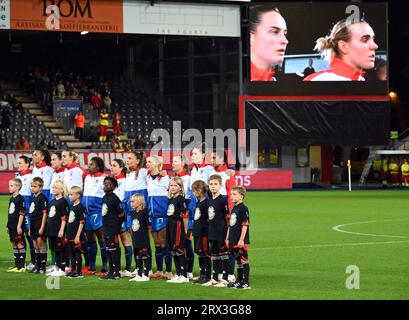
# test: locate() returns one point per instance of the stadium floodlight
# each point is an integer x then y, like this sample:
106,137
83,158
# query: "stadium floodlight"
83,33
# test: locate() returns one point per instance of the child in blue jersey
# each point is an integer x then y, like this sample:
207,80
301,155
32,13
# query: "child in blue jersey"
92,201
157,186
119,170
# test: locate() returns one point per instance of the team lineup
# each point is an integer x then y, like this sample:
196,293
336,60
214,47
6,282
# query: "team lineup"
64,210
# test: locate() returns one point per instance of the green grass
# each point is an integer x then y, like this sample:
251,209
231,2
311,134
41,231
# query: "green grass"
294,254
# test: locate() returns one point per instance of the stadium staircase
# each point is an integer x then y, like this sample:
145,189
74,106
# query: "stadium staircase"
55,127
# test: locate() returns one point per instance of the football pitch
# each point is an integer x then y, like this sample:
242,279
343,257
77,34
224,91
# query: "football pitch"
302,243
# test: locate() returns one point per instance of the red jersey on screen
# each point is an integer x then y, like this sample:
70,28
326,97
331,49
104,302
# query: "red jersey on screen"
338,71
261,75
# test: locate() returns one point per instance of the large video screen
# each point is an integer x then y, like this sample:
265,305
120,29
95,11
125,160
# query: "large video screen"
317,48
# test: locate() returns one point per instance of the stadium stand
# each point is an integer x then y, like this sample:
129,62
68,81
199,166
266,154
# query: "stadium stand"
36,90
25,120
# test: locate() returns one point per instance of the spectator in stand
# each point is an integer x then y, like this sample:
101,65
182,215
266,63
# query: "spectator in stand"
140,143
3,139
51,145
3,101
79,125
116,145
69,92
95,100
107,102
103,125
101,90
5,115
43,144
84,92
45,90
60,89
75,91
107,90
23,144
117,124
127,147
11,99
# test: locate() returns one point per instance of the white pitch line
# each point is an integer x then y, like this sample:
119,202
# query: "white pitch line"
338,228
332,245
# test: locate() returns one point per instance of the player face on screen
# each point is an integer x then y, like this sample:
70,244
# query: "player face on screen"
382,73
359,52
268,42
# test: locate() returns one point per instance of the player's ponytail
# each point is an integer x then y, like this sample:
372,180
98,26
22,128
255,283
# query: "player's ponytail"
322,45
328,46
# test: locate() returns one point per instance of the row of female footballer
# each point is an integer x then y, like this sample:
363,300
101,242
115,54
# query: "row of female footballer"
74,209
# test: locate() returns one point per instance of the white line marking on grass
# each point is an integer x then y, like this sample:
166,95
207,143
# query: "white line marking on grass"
338,228
344,244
